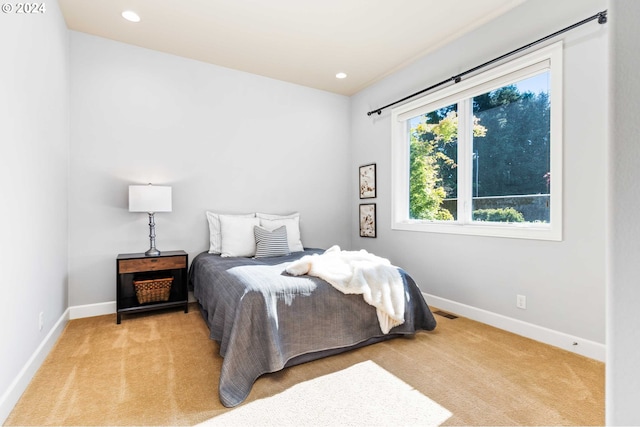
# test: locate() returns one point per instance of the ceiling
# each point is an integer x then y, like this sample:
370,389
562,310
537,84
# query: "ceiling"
299,41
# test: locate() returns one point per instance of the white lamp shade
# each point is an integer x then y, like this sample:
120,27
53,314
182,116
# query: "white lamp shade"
149,198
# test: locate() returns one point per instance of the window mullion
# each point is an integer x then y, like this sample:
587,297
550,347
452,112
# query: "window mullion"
465,160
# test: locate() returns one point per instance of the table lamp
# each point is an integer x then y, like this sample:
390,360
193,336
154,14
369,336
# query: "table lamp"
150,199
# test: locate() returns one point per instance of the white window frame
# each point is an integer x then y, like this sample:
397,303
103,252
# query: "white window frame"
549,59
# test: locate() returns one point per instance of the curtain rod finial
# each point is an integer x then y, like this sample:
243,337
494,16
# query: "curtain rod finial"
602,17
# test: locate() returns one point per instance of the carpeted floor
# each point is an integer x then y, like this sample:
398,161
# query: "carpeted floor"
162,369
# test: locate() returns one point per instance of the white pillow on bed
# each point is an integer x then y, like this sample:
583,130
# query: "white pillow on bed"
236,235
215,245
292,222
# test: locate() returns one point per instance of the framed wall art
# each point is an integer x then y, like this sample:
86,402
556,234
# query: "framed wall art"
367,181
367,220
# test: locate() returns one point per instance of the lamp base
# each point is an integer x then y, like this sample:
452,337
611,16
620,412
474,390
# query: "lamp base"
152,252
152,237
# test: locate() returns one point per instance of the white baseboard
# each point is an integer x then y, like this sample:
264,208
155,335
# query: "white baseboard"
587,348
100,309
11,396
90,310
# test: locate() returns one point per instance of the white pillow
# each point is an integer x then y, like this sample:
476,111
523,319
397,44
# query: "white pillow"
215,246
292,222
236,235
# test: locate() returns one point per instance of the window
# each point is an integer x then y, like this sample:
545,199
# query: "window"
484,156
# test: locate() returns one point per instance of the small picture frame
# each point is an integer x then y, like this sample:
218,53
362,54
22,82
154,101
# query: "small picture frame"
367,220
367,181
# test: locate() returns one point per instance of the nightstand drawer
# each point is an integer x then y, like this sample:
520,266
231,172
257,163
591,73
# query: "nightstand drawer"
152,264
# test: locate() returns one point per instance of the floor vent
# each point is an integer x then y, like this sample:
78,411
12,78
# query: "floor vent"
445,314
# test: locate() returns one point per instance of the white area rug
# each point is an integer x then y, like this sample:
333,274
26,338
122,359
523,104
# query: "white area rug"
361,395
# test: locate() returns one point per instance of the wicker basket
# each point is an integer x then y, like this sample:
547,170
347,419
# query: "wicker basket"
153,290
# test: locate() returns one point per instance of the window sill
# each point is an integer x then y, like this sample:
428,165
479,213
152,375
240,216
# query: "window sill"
507,230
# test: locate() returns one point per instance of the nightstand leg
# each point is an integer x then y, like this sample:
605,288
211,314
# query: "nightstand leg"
118,319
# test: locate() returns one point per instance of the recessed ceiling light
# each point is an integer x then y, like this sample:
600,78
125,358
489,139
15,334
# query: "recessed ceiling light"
341,75
130,15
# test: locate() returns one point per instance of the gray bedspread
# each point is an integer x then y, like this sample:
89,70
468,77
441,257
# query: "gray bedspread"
265,319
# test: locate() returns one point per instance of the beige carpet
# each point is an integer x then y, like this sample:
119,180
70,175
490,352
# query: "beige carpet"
161,369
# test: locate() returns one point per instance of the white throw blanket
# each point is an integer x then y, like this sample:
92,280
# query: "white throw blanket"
359,272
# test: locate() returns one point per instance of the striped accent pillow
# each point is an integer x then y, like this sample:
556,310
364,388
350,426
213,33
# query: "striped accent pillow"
271,242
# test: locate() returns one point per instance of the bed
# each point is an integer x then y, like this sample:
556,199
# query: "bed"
266,319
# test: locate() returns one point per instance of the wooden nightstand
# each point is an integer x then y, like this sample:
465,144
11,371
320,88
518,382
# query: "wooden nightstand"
138,266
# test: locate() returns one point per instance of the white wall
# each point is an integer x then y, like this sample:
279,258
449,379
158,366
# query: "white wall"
34,144
623,320
564,282
225,141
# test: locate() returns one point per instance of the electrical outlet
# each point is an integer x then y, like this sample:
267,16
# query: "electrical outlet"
40,320
521,302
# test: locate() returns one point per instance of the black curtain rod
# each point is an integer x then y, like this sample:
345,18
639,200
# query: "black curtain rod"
600,16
